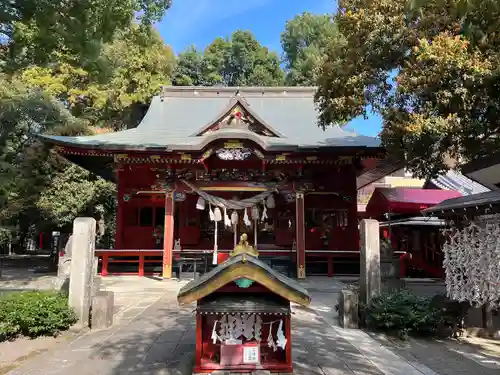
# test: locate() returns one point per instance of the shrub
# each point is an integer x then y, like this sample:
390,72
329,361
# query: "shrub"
34,314
403,313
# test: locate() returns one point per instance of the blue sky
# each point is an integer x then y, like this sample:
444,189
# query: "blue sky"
199,22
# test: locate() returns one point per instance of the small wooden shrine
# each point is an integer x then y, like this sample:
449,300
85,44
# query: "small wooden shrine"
243,320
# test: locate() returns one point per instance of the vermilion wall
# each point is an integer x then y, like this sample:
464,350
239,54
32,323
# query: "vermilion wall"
132,235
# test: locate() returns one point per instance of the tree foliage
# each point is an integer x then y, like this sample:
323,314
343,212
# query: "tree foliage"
113,90
236,61
35,31
442,105
38,187
304,42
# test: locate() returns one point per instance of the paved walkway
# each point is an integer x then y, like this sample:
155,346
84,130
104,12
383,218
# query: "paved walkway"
153,336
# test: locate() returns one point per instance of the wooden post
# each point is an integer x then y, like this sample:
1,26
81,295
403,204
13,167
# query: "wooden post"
119,213
141,265
168,238
104,268
288,335
330,266
199,341
300,228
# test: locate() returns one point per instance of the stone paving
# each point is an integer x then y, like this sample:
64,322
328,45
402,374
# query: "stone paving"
153,336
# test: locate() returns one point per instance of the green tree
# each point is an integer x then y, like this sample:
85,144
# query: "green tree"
189,70
236,61
38,188
115,90
34,31
304,43
442,106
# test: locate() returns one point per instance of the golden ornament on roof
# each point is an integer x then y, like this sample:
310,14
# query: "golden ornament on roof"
243,247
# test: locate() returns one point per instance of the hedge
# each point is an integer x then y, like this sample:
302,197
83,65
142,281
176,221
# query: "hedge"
34,313
403,313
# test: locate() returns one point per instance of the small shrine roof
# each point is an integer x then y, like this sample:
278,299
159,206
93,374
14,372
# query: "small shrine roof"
243,266
483,203
405,200
179,118
243,303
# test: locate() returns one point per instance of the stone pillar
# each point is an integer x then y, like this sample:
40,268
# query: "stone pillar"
369,278
300,227
168,238
82,268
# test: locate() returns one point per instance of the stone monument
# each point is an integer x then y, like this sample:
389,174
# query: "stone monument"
82,268
389,267
369,277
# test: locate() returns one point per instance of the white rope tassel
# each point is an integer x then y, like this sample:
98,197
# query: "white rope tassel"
234,222
270,339
216,246
281,341
211,212
217,214
227,220
214,336
255,213
234,218
264,214
246,219
200,204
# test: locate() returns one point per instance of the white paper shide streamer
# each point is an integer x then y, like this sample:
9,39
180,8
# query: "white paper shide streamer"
472,262
234,328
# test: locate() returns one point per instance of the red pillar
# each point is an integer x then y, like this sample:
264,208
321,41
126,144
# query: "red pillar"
199,341
288,335
300,228
119,212
104,269
168,242
141,265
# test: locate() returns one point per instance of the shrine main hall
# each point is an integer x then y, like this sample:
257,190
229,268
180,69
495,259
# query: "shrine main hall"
207,164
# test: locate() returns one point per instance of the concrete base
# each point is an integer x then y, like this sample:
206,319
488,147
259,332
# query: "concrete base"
348,309
102,310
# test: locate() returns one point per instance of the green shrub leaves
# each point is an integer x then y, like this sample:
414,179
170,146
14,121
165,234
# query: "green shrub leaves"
33,314
403,313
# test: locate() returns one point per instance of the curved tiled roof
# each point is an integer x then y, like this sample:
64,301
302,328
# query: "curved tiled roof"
179,113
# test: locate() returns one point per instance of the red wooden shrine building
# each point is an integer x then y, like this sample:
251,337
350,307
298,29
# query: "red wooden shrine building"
255,154
417,238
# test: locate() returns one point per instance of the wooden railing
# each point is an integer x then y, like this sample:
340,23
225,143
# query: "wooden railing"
144,262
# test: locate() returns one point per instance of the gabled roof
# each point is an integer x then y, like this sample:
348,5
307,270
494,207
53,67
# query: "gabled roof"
235,103
243,266
405,200
176,117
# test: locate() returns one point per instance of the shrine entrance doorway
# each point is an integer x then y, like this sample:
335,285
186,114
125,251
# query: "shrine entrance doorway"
259,227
